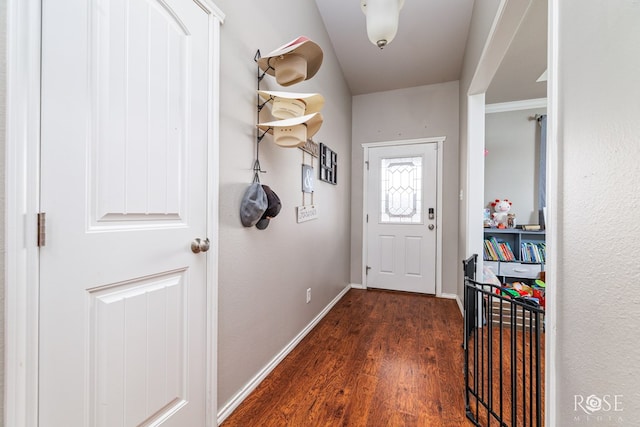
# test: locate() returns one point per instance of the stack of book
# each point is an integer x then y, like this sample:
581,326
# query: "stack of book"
497,251
533,252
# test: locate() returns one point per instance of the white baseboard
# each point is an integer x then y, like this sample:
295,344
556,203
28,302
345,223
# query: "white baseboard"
447,296
356,286
239,397
455,297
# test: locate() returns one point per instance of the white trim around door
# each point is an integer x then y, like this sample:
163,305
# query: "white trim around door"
554,201
22,190
366,146
216,19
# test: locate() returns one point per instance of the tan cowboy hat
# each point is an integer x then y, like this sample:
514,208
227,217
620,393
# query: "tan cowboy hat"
288,104
293,132
296,61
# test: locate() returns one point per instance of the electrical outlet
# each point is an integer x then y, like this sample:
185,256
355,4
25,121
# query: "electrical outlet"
308,295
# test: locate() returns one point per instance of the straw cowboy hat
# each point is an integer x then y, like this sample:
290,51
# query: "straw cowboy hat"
296,61
293,132
288,104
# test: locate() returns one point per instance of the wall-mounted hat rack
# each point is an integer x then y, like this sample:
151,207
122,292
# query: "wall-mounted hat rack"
257,169
288,129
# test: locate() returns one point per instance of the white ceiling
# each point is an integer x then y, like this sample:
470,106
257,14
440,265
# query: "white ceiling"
429,48
525,60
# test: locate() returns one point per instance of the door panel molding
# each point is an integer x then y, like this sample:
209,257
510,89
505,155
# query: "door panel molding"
440,145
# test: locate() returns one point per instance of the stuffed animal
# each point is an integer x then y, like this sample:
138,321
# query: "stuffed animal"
501,208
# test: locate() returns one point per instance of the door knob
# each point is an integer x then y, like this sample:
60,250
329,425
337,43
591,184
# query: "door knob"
431,226
199,245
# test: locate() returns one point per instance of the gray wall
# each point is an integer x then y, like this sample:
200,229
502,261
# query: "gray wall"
511,166
263,275
419,112
598,205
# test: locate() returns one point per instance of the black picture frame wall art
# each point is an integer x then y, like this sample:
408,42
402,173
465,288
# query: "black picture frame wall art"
328,171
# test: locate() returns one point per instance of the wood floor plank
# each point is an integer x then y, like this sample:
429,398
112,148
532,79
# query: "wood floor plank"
378,358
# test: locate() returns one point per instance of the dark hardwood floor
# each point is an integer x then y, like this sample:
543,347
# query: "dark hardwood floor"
377,359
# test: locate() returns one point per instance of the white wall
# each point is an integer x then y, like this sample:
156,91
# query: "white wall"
424,111
511,166
597,205
264,274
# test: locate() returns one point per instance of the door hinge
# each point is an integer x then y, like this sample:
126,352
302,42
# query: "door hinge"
367,163
367,218
367,270
42,229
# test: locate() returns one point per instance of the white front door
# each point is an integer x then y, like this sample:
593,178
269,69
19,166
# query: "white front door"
401,217
126,111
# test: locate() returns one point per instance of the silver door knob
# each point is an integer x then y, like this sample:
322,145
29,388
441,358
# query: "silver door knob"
199,245
431,226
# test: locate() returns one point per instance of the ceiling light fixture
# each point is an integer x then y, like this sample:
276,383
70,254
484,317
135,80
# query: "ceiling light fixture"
382,20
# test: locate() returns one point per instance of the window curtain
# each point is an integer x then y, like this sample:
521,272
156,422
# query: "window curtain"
542,173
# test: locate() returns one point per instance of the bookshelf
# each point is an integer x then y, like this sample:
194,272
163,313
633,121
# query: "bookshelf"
513,252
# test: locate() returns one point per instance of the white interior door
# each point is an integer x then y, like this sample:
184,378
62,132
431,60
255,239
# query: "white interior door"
125,130
401,212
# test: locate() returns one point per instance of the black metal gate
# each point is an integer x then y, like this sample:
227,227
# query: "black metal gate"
504,355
